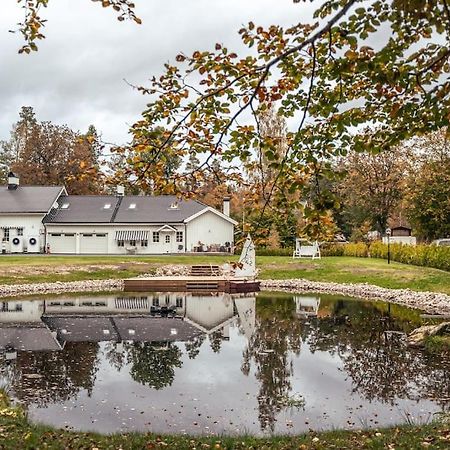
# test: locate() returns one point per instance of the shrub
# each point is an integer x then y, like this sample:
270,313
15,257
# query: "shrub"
265,251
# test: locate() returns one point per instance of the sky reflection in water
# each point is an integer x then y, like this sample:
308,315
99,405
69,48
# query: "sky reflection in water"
275,363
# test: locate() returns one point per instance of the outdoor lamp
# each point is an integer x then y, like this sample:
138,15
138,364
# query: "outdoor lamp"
388,234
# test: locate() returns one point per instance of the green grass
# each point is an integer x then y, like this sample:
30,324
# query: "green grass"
16,432
340,269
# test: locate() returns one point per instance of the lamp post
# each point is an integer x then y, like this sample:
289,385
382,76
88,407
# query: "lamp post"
388,234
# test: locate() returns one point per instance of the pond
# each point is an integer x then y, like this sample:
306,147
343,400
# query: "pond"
185,363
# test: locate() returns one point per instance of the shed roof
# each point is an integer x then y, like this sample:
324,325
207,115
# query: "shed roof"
28,199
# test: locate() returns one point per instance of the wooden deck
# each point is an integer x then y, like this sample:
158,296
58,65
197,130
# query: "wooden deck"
190,284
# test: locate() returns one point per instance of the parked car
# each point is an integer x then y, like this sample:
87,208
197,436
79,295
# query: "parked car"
442,242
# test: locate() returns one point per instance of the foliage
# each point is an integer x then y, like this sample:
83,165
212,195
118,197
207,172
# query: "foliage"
42,153
429,188
338,90
33,23
373,186
419,255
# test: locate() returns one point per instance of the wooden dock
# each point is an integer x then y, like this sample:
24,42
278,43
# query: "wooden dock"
190,283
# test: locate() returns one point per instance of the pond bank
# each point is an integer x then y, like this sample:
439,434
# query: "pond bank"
430,302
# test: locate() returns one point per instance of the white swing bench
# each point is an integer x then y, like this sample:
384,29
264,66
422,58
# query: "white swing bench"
306,249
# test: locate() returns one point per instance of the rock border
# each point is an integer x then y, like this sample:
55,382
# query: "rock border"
430,302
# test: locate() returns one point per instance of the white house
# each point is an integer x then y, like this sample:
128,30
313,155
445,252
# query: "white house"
107,224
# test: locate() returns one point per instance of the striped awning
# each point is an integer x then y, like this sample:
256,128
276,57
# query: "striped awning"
131,235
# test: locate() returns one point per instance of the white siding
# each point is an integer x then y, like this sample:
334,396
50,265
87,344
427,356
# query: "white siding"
209,229
80,244
32,227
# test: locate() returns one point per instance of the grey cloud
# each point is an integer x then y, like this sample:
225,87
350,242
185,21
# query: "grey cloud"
77,75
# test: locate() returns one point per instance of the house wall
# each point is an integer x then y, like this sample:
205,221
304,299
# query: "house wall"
73,239
209,229
32,227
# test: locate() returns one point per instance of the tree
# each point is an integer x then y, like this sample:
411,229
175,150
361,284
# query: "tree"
11,150
429,188
337,92
374,186
138,169
42,153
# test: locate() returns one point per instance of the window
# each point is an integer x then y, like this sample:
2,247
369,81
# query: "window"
120,243
179,301
55,234
155,301
6,235
179,236
155,236
19,231
87,234
167,239
100,235
65,205
144,243
133,243
132,206
69,234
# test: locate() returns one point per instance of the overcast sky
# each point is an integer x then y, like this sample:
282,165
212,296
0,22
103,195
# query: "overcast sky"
77,76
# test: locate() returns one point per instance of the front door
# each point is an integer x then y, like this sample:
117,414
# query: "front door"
168,239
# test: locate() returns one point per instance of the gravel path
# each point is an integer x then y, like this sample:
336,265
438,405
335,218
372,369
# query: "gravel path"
430,302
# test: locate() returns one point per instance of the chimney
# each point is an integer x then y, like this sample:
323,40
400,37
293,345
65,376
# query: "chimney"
13,181
226,206
120,191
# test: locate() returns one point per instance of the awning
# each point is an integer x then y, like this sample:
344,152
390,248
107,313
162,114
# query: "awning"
131,235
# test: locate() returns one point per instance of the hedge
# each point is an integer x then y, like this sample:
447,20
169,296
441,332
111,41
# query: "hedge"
419,255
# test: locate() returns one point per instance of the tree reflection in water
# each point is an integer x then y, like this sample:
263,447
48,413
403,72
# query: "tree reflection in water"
153,364
277,333
41,378
378,361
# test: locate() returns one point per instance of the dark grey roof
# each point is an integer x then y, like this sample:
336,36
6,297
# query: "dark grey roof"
83,329
156,209
84,209
148,209
155,329
28,199
33,337
143,329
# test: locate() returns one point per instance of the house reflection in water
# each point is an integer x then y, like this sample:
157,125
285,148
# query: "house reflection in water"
46,325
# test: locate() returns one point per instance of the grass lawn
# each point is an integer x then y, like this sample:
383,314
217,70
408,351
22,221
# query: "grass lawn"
341,269
16,432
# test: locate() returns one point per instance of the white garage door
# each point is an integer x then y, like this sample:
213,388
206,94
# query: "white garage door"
94,243
61,243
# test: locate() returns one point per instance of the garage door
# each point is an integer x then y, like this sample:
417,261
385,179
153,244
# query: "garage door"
61,243
94,243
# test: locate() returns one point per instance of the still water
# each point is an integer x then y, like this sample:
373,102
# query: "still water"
182,363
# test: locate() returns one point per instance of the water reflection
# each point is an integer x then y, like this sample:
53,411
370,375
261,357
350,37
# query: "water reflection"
222,363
